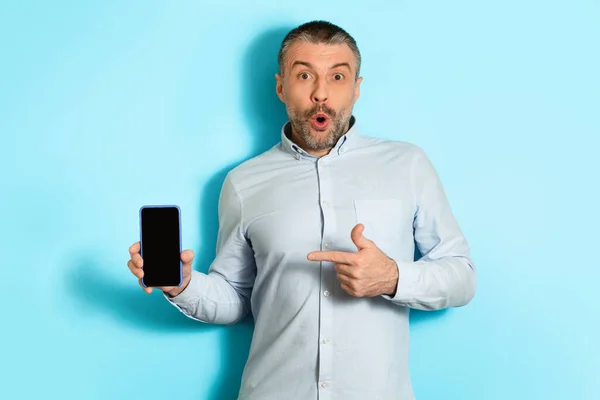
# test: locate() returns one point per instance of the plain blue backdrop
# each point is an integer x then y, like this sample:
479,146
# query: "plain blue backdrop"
106,106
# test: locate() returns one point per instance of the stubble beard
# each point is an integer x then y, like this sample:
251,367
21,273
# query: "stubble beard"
338,125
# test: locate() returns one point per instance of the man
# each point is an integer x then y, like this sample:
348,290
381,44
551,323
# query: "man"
316,239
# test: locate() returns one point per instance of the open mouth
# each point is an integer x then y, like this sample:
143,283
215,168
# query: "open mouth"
320,122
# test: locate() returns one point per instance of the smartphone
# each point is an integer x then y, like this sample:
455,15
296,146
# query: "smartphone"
160,245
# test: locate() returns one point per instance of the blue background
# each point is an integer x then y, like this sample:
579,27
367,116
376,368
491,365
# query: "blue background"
106,106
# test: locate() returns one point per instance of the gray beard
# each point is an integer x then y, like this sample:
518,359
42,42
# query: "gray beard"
302,128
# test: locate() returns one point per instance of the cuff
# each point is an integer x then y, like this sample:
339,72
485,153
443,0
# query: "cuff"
191,294
409,273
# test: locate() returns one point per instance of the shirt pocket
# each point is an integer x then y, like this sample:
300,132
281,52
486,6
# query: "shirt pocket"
388,222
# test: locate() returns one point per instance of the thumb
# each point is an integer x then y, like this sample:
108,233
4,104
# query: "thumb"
359,240
187,256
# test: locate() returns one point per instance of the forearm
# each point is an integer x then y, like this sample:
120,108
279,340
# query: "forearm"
211,299
445,274
435,284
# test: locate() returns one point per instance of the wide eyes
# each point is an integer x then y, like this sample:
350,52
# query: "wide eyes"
306,76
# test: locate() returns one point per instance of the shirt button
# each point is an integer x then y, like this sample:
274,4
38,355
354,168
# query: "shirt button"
327,245
321,163
326,293
325,204
324,384
343,150
324,341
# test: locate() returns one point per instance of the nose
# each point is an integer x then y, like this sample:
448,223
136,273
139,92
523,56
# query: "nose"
320,93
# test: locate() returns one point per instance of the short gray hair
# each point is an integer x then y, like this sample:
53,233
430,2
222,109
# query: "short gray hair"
318,32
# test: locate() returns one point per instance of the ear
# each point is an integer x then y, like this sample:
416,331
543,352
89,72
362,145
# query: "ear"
357,88
279,87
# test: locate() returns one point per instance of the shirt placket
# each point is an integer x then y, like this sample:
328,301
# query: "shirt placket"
326,383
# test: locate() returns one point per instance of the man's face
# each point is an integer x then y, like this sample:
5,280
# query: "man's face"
319,90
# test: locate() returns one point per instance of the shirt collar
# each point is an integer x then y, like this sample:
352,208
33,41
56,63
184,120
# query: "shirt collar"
344,143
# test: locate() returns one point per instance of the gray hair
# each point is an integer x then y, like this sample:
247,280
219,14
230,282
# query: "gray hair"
318,32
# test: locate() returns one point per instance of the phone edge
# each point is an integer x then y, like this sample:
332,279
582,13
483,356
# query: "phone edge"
180,237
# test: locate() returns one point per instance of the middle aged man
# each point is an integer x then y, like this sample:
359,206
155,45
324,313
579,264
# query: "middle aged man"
316,239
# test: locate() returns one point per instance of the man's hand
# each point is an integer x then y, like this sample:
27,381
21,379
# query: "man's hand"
366,273
136,264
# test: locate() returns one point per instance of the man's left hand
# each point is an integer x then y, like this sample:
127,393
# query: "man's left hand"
366,273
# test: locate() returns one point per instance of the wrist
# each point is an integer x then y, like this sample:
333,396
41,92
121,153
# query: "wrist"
393,279
176,291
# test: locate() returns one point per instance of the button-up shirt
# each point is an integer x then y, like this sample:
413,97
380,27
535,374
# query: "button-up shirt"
312,340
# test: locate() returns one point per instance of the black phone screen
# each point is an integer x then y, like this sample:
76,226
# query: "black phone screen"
160,245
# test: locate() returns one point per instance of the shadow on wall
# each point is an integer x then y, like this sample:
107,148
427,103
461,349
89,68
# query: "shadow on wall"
91,285
264,113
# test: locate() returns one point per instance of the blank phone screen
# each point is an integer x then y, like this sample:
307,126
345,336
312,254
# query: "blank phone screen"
160,246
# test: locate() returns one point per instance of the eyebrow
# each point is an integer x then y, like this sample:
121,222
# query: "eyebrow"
309,65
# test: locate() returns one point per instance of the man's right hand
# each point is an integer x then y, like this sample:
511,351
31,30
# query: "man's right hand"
136,264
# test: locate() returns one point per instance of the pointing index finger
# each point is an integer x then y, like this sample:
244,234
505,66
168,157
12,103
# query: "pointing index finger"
339,257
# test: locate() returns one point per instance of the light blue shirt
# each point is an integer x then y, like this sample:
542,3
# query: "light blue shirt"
311,339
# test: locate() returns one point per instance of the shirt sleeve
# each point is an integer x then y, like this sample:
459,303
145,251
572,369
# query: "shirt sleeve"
445,274
222,296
